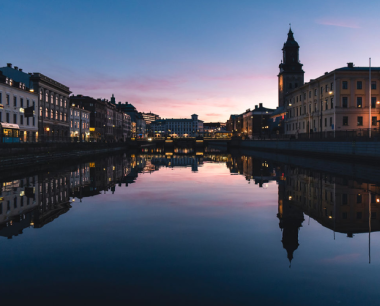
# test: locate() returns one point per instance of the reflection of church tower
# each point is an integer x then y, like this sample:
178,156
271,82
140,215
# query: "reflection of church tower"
291,219
291,74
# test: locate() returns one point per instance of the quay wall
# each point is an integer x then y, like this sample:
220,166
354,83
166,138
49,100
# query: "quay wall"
346,149
28,155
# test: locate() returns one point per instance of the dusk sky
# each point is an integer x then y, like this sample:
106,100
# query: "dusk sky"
178,57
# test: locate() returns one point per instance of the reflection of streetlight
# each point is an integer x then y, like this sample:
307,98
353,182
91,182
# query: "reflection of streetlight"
47,129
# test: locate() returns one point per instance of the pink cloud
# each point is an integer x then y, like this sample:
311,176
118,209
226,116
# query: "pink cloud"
339,23
213,115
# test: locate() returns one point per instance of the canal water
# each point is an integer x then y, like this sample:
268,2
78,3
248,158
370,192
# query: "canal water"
182,229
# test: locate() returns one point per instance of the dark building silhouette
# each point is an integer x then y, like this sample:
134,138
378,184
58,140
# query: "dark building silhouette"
291,218
291,74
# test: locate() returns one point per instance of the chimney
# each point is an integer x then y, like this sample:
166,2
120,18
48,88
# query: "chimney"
256,107
20,70
16,68
350,65
260,105
9,65
326,73
29,73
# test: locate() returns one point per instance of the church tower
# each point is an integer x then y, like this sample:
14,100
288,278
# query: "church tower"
291,219
291,74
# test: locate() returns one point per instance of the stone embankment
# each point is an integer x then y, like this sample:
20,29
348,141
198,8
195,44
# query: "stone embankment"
369,150
26,155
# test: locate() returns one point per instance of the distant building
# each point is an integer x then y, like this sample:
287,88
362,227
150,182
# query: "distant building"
14,98
150,117
178,127
79,123
256,121
138,124
98,115
53,102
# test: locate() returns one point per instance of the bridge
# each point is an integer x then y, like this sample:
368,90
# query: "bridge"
185,142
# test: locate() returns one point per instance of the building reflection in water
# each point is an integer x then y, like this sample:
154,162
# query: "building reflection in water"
340,204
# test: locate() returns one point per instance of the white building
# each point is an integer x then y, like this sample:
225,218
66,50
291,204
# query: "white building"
79,123
14,98
177,127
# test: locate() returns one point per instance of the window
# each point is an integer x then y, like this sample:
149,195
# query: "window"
344,199
327,88
21,102
332,103
360,120
15,118
295,85
1,98
21,119
327,105
331,86
373,85
374,121
7,99
330,121
344,85
345,120
358,215
52,114
56,115
310,94
345,102
27,103
359,102
46,113
14,101
315,92
325,122
373,102
7,118
46,97
359,85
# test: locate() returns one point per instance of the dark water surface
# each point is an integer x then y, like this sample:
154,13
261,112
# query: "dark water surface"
210,229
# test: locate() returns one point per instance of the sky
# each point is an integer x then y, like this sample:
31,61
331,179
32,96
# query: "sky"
179,57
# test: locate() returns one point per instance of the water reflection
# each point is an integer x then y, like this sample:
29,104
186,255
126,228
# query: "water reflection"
336,202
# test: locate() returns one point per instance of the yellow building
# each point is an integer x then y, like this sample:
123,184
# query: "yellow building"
341,102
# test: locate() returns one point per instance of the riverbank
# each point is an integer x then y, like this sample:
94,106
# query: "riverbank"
28,155
352,150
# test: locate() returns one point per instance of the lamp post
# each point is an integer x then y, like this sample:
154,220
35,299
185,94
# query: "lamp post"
369,99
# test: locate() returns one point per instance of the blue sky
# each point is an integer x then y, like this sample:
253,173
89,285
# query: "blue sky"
176,58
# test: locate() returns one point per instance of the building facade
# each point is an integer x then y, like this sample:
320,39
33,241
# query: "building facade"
337,102
14,98
256,121
79,123
178,127
150,117
342,102
98,115
53,103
